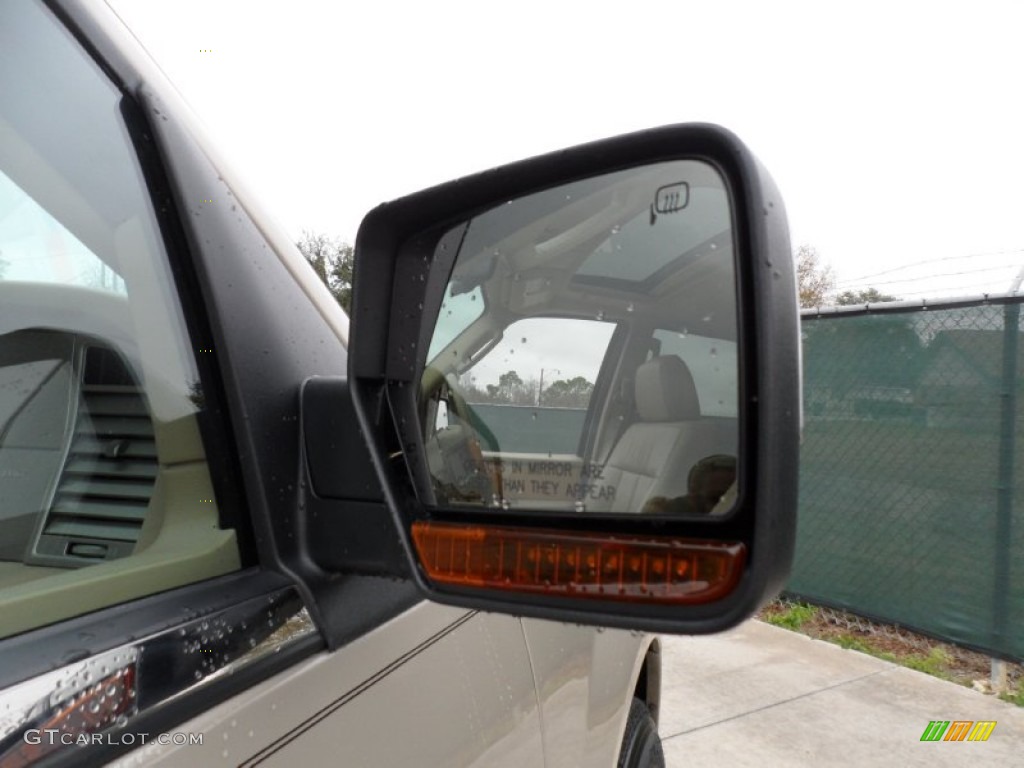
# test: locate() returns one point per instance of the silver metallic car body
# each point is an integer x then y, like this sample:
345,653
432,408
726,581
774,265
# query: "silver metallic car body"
433,686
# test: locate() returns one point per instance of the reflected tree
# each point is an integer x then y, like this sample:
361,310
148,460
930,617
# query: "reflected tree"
568,393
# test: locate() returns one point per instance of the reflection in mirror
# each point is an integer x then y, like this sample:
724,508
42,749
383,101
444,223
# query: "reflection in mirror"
585,351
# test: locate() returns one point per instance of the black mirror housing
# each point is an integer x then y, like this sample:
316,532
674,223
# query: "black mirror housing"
401,271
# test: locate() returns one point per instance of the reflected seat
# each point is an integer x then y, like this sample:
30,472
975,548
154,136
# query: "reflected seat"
653,457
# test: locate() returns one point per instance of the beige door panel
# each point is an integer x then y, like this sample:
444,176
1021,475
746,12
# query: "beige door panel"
435,686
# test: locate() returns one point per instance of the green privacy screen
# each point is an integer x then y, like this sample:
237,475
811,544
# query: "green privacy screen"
912,470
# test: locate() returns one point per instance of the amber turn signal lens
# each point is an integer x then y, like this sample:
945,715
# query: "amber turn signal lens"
635,569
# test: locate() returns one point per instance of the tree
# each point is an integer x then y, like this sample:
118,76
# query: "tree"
509,380
509,389
331,259
509,386
814,279
569,393
863,296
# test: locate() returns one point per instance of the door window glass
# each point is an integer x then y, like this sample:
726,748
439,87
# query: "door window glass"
105,494
530,405
712,363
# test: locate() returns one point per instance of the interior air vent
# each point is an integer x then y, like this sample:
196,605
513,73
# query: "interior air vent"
107,480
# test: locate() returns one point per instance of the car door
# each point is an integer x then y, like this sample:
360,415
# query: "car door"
145,571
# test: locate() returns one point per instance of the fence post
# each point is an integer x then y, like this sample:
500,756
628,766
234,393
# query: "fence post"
1005,497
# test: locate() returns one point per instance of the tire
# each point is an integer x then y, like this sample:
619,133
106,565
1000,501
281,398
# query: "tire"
641,745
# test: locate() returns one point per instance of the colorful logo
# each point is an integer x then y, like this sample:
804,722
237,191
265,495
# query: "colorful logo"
958,730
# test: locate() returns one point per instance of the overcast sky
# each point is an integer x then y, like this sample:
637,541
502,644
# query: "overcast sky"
894,130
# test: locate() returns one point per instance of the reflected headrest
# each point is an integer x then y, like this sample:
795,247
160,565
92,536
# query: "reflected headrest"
665,391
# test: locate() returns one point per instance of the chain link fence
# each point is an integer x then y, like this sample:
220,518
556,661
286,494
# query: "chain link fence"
912,468
894,643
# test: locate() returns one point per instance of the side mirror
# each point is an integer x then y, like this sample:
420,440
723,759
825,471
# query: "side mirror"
613,334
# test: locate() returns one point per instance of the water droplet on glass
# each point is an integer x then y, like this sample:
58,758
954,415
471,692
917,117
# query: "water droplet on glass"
714,351
706,318
629,307
600,315
616,229
714,247
523,340
533,415
579,506
472,297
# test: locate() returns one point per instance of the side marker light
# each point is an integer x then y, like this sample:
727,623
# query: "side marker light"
631,569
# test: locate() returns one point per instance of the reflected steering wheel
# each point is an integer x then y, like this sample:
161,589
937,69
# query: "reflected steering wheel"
460,471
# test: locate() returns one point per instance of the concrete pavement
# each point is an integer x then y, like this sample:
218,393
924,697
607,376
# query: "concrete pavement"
763,696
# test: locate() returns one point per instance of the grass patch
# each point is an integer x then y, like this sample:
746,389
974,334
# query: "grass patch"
890,643
792,617
936,663
1016,696
862,645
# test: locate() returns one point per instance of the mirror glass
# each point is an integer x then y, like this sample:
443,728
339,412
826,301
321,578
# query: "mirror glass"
585,350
